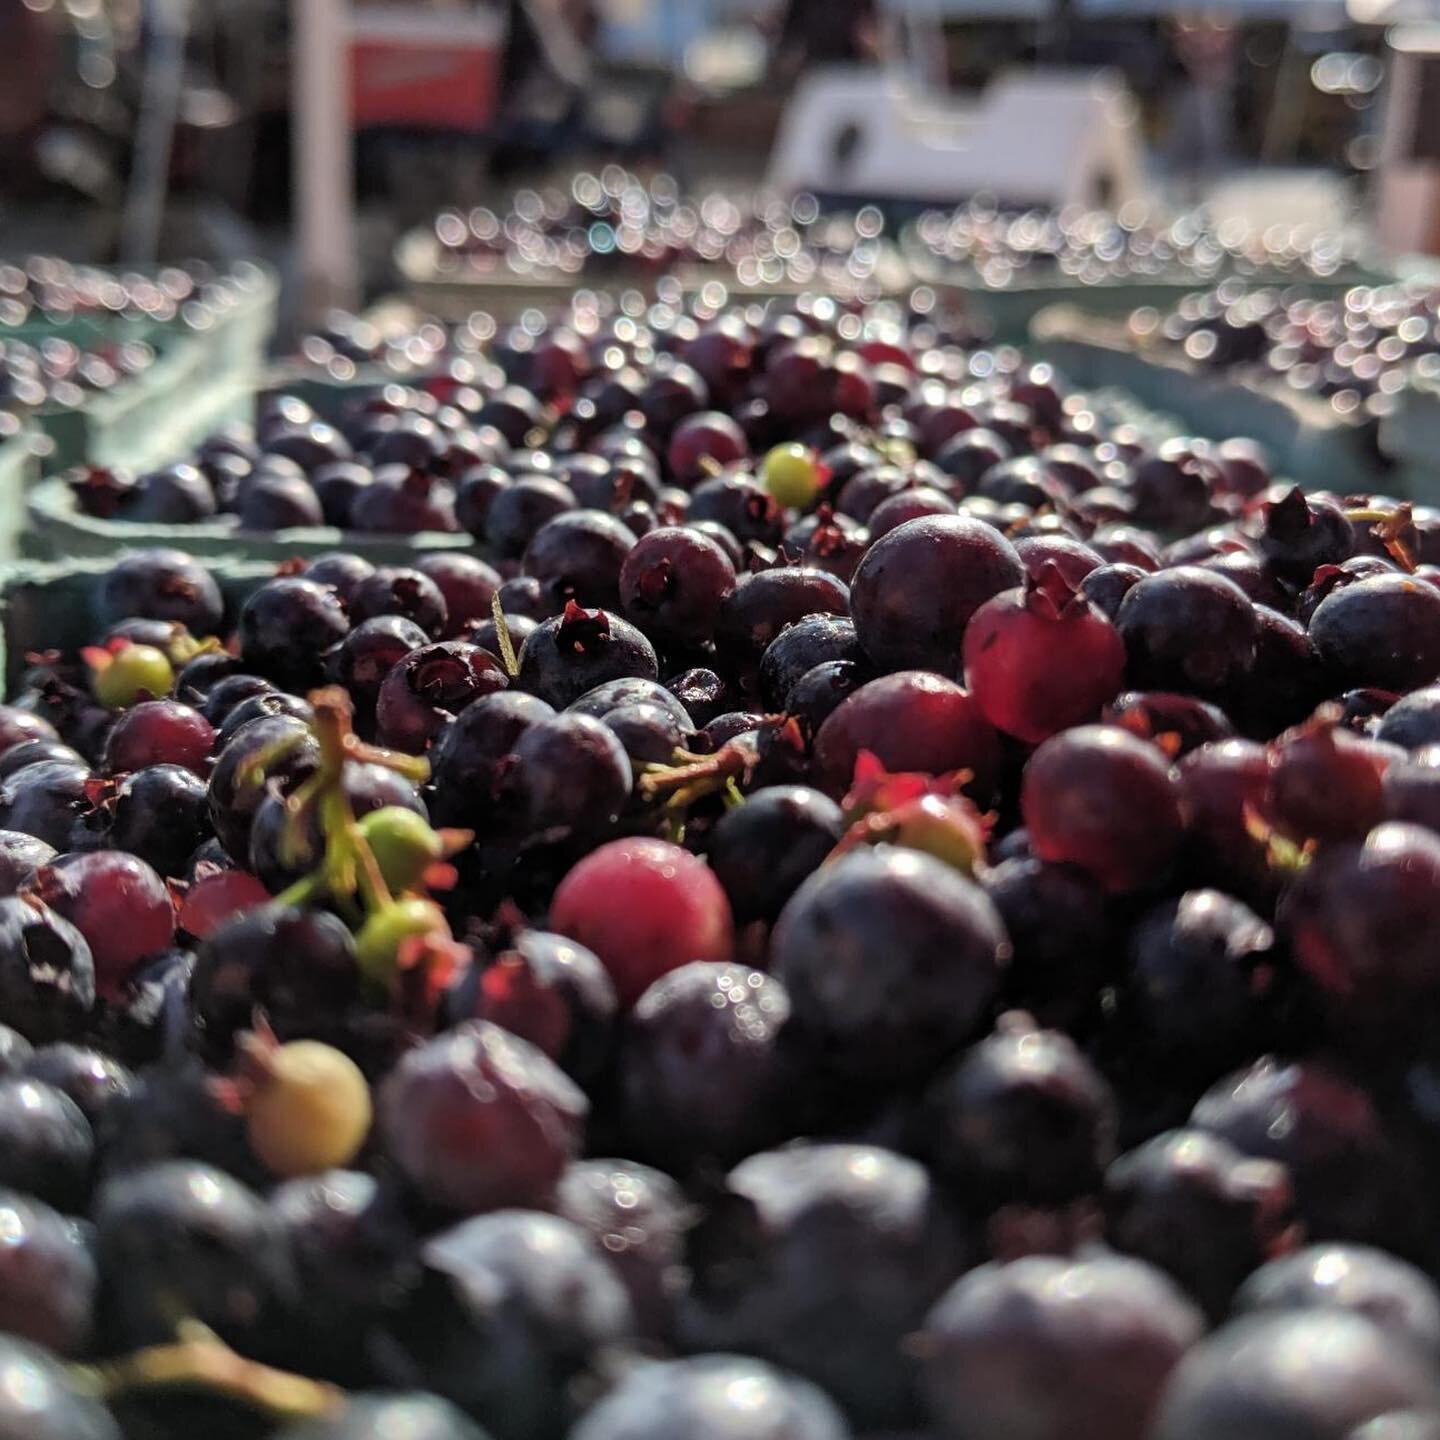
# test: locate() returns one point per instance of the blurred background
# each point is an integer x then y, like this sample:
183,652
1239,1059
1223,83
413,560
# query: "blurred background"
316,133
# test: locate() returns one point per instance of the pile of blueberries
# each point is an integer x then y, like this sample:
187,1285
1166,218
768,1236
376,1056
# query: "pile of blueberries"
44,366
870,902
614,223
1359,351
1000,247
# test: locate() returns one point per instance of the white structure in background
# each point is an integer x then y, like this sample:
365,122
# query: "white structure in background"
1407,182
401,63
1032,137
1047,137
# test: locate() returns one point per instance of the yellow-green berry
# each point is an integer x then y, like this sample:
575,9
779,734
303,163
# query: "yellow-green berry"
791,474
310,1110
403,844
132,674
378,943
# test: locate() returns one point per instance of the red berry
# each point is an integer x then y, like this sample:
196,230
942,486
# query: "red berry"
1041,659
1101,799
1326,783
117,902
645,907
159,732
910,721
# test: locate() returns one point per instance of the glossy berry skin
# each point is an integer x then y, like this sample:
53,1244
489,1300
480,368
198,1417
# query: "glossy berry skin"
892,960
93,1080
812,1233
297,966
1047,1347
1411,788
625,693
286,628
371,651
1413,721
1199,972
1107,587
645,907
45,800
47,974
471,755
1349,1181
764,603
1396,1296
572,776
1187,629
353,1253
117,902
650,734
1399,1425
429,686
17,726
404,500
47,1148
578,556
1219,781
1057,920
477,1119
35,752
1041,659
159,732
20,857
40,1402
712,1397
518,511
818,693
182,1232
550,991
1097,797
1383,632
795,651
574,652
161,585
1196,1208
232,798
467,583
917,588
220,700
1022,1118
1325,783
910,721
637,1217
416,1415
702,1072
762,850
1242,1380
47,1277
511,1313
397,590
1357,921
672,584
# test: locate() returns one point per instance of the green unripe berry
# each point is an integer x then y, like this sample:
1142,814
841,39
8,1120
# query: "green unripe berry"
132,674
377,946
791,475
402,842
310,1110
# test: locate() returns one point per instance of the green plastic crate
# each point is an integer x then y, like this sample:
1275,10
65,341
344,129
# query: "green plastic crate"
235,347
1009,311
52,606
59,530
20,458
1308,441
